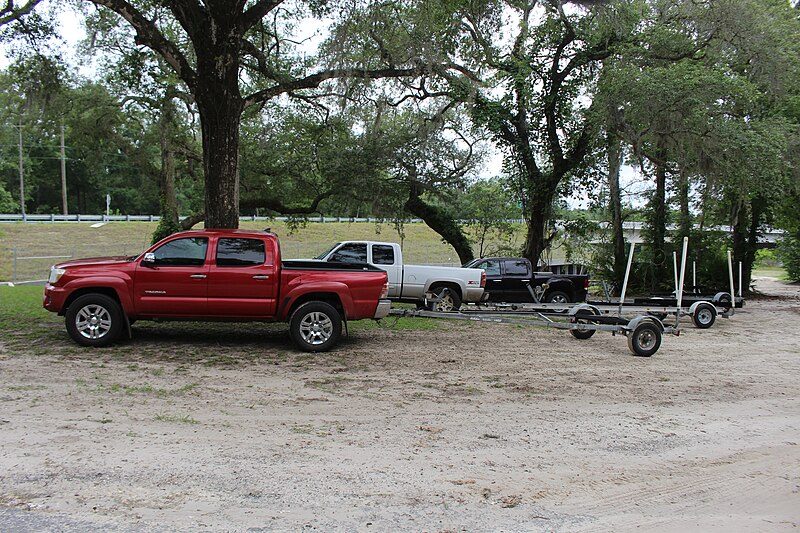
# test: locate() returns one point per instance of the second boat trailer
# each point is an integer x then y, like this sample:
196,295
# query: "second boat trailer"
643,331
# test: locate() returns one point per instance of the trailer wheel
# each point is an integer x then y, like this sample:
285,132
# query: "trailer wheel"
315,327
94,320
448,300
645,339
583,334
724,301
704,316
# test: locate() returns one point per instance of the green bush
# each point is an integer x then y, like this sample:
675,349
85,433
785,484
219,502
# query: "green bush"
789,253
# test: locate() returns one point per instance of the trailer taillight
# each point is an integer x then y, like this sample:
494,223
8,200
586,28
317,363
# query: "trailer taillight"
586,283
483,278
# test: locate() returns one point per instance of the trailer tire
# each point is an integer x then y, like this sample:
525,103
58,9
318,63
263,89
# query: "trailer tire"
450,301
583,334
645,339
704,316
315,327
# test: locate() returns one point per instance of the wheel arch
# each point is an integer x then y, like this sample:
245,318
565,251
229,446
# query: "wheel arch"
330,298
452,285
77,293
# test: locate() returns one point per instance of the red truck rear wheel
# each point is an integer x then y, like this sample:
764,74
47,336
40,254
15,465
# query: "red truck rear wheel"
94,320
315,327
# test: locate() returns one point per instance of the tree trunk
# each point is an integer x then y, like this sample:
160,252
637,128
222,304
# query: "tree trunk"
220,117
441,223
658,224
540,209
169,223
685,221
739,228
615,203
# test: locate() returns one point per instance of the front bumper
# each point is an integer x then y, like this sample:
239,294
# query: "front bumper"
54,298
383,309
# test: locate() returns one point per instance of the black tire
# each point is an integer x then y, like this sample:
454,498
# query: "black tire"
315,327
645,339
724,301
450,300
557,297
583,334
94,320
704,316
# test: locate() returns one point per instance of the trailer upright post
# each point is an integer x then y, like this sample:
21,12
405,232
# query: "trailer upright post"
680,286
627,275
730,276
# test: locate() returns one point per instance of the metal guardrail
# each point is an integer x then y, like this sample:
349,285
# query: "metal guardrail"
13,217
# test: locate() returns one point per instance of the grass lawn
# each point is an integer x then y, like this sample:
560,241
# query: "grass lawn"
770,272
421,244
26,327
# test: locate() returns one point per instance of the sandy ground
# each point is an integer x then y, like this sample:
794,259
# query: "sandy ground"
471,428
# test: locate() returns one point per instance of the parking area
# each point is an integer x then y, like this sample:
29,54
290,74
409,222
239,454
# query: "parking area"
447,427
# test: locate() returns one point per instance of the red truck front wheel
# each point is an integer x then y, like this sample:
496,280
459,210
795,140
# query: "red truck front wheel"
94,320
315,327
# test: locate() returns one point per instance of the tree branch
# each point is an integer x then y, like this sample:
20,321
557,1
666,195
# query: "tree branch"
314,80
9,13
279,207
251,17
148,34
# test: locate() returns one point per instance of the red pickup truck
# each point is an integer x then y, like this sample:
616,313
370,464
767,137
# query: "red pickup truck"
214,275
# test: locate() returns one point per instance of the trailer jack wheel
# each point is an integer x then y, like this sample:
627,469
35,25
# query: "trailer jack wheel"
645,339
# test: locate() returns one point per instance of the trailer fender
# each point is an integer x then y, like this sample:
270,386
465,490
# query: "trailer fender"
574,310
722,297
693,307
643,318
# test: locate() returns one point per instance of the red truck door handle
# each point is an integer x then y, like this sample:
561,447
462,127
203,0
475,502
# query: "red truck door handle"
198,276
260,277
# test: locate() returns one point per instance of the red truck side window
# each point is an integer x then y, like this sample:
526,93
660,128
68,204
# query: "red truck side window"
190,251
240,252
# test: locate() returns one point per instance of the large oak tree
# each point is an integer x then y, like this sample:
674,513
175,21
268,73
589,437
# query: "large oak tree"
232,55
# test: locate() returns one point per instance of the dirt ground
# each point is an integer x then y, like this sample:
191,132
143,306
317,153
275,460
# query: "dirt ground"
471,427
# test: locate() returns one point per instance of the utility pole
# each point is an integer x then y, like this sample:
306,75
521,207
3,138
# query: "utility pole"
64,210
21,177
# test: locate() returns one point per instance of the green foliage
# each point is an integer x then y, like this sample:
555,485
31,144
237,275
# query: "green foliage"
7,202
789,254
488,207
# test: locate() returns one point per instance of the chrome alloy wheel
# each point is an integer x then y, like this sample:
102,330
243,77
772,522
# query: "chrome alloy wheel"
316,328
445,305
93,321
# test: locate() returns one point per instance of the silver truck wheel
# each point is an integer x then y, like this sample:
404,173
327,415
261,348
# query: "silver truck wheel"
448,301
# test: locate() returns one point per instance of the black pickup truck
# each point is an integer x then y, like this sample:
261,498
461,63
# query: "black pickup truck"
512,280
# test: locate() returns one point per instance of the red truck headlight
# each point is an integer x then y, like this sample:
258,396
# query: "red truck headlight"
385,290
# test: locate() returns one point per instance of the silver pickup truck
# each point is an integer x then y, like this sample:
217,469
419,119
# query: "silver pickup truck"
413,283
